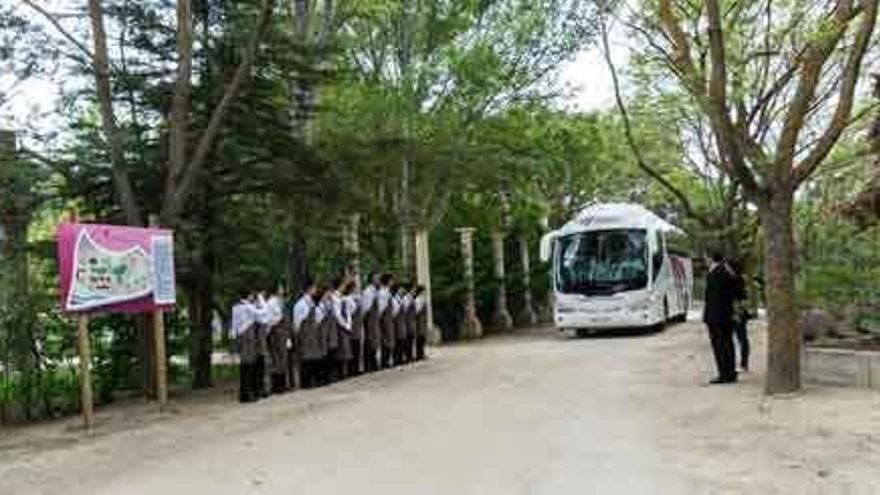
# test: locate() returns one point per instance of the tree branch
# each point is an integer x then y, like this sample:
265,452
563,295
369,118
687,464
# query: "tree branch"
630,138
176,198
840,120
65,33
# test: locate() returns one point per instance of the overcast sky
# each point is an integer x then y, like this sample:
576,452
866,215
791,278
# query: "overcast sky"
586,77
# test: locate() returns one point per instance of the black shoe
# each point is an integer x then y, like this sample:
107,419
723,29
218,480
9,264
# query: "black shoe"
723,380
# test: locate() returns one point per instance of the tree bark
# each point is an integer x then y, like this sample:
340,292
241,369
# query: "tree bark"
298,272
101,68
784,337
202,333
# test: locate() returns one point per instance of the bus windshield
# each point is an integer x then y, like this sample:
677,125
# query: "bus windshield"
602,262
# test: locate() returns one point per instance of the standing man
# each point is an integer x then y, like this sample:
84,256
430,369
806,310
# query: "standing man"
369,309
718,316
421,316
397,315
303,314
330,334
307,317
264,358
244,331
408,308
342,319
386,320
352,304
278,340
740,313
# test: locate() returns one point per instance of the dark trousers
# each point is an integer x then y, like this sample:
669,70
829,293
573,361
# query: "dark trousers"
721,336
387,358
294,371
420,348
310,374
247,384
371,363
409,352
399,352
742,336
329,370
260,377
279,383
354,365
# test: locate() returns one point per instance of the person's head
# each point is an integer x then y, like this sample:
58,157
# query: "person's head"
386,280
349,287
715,259
373,279
310,289
419,290
246,293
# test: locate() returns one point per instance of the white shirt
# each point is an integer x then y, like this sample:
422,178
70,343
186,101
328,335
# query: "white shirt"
301,310
395,305
406,301
272,312
367,298
244,315
420,303
320,311
351,303
383,297
344,320
262,313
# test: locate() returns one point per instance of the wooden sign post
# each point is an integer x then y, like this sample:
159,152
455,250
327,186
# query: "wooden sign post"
159,336
87,404
116,269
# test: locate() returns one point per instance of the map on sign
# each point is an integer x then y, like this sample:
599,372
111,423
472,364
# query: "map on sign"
107,277
116,269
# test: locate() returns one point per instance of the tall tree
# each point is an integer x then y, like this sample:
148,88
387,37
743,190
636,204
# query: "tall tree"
776,84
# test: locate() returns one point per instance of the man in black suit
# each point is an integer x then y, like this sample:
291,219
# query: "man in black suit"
718,316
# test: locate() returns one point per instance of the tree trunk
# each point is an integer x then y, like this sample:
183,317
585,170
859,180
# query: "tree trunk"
146,353
783,334
201,334
298,272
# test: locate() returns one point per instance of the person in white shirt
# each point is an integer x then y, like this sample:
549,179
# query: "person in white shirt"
244,330
343,355
351,299
263,355
330,335
307,318
421,313
405,341
372,328
278,336
386,320
397,314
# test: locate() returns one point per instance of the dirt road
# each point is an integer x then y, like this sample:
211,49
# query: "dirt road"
527,414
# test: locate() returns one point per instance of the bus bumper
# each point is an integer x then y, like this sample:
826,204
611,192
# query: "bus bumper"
599,321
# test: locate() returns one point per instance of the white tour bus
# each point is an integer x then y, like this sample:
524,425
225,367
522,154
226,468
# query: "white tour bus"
612,268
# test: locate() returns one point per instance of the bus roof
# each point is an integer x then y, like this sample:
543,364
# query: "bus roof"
608,216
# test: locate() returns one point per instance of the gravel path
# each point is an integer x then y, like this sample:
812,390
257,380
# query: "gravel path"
533,413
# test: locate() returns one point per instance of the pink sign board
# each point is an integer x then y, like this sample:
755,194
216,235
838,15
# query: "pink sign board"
111,269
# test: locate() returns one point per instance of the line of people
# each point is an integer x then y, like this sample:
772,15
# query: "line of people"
331,333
